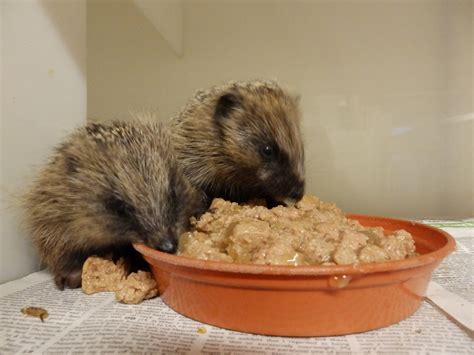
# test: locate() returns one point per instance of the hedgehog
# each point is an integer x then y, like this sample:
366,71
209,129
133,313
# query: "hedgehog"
241,141
105,187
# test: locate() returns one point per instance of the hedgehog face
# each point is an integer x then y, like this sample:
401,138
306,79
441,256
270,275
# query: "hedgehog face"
261,141
155,216
147,197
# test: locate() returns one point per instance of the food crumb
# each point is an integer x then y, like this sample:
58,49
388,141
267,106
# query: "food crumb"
418,331
202,330
38,312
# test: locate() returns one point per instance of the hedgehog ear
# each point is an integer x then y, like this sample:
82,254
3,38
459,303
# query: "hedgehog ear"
225,105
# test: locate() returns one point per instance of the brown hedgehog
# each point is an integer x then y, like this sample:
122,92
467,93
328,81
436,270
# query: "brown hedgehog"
241,141
106,186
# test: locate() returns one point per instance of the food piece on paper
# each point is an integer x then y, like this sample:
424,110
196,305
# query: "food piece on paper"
103,275
202,330
38,312
137,287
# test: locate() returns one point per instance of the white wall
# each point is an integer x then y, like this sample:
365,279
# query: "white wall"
381,85
43,96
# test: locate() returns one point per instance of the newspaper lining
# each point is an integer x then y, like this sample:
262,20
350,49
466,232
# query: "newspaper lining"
97,323
452,286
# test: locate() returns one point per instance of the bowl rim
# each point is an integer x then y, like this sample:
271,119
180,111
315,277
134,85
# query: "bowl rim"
233,268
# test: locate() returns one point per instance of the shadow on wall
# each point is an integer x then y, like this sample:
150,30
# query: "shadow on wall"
73,37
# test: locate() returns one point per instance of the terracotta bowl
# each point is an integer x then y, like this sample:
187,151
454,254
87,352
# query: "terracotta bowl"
303,300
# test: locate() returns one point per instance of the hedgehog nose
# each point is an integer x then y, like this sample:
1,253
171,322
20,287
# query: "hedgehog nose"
168,245
297,192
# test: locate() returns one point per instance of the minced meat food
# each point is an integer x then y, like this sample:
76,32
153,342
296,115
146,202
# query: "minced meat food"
311,232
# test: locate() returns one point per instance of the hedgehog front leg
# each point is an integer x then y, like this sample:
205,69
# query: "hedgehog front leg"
68,270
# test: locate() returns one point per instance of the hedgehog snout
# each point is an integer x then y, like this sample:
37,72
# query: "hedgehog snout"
297,192
287,191
168,245
165,241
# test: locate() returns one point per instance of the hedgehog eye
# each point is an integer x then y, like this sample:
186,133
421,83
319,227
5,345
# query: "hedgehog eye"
268,151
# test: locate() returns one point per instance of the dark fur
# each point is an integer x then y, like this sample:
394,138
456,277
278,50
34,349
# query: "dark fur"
221,138
106,186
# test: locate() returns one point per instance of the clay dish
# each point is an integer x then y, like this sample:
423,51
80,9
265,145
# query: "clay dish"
302,300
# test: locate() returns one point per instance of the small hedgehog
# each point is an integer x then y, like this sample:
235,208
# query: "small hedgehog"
106,186
242,141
